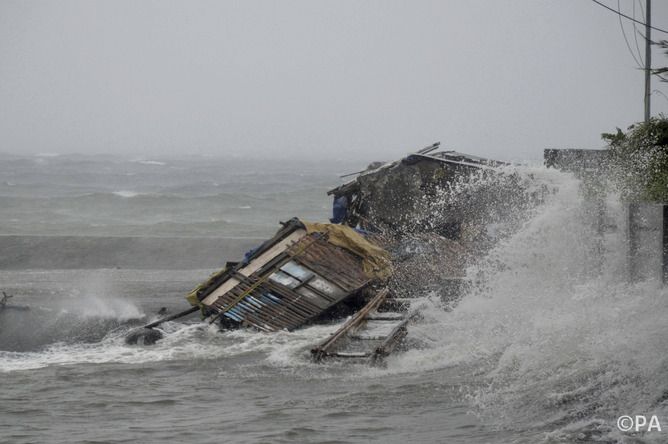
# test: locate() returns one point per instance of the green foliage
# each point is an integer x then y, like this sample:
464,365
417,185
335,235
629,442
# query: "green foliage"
662,73
641,159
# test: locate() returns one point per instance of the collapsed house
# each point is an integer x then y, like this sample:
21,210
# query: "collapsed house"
403,196
398,229
305,273
436,212
300,275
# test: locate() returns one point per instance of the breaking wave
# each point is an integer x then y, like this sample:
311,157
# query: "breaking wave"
557,343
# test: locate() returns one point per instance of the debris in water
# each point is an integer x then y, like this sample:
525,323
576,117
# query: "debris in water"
4,303
143,336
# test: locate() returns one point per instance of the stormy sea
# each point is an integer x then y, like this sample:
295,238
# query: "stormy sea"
541,350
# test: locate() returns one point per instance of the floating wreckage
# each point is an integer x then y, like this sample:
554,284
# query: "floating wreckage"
371,334
5,298
4,303
393,232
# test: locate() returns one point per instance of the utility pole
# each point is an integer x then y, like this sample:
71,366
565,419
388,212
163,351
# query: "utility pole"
648,56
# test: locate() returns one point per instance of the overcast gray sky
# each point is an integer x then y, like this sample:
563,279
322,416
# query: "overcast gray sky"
501,78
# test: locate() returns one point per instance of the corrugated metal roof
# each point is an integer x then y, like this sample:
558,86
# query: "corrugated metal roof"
334,264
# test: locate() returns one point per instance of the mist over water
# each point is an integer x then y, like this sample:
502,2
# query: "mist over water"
551,344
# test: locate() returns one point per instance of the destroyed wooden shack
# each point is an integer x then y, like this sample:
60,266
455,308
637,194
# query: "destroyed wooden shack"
400,196
311,272
436,212
300,275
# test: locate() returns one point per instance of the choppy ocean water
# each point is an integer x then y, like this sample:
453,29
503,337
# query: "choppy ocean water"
198,196
540,351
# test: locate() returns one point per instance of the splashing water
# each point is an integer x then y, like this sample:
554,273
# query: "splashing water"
554,343
95,297
181,342
104,307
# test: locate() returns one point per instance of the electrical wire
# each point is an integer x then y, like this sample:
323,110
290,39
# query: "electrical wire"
635,31
628,45
627,17
661,92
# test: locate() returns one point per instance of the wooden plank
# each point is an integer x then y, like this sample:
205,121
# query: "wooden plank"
351,354
322,350
255,265
386,347
386,316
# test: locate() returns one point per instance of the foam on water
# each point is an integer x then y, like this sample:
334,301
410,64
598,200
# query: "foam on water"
149,162
180,342
186,342
88,324
125,193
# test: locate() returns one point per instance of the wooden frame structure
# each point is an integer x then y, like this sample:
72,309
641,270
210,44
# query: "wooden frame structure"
288,281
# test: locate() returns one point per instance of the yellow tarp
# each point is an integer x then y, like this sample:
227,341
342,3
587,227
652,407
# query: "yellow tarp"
376,261
192,296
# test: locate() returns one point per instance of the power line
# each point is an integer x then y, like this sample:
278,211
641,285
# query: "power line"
628,45
661,92
635,30
626,16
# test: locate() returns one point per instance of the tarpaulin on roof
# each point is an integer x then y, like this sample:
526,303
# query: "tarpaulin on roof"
193,296
376,261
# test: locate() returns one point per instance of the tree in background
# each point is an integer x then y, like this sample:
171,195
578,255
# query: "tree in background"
662,73
639,156
640,159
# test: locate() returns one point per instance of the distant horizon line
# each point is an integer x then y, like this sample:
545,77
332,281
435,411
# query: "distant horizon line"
157,159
